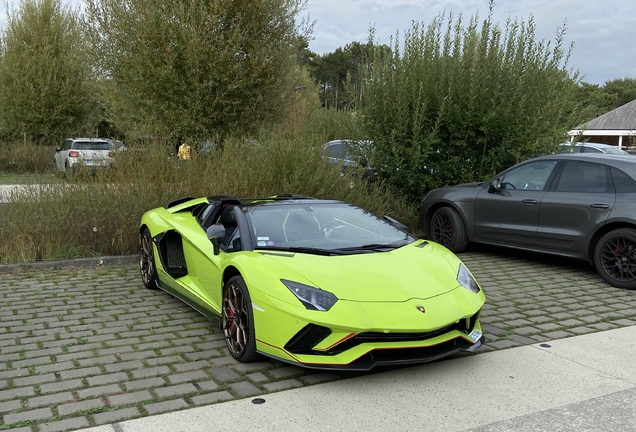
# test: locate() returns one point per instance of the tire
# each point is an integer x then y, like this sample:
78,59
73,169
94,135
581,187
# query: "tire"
237,321
615,258
447,228
147,261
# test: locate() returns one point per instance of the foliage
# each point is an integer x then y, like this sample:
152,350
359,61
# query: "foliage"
459,102
332,124
195,69
594,100
597,100
624,90
304,101
53,221
338,72
16,157
46,91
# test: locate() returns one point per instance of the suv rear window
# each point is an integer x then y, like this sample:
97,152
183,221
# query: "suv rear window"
87,145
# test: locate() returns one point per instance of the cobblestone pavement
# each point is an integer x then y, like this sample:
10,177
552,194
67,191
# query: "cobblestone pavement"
83,347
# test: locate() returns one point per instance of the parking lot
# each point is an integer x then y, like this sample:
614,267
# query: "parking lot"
89,346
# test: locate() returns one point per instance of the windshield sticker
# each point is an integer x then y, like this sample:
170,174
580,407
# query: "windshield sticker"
262,238
261,243
269,243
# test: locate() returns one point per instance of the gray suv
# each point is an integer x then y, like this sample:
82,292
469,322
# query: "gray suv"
91,153
575,205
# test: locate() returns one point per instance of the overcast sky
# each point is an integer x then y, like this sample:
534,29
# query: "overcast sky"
604,32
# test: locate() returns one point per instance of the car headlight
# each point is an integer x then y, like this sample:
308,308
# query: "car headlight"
312,298
467,280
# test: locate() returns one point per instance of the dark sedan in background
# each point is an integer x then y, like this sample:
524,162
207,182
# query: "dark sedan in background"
577,205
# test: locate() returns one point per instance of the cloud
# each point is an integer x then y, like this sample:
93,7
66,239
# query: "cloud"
602,31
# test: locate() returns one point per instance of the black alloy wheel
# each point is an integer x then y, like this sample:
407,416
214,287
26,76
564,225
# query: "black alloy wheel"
237,321
447,229
147,261
615,258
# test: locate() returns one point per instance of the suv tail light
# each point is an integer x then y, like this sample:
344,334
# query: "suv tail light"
73,153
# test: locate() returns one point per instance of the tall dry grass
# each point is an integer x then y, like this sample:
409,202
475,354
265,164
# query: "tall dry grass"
26,157
58,221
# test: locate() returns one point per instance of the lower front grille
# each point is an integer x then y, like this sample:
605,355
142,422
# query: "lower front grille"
307,338
465,325
404,356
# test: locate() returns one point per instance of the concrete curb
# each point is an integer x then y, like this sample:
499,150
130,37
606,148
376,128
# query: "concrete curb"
61,264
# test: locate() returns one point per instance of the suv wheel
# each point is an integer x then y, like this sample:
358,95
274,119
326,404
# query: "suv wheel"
447,229
615,258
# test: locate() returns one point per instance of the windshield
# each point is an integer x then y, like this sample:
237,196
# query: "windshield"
322,227
614,150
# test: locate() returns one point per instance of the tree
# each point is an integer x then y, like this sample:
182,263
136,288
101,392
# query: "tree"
624,90
594,100
46,86
331,73
457,103
199,68
338,72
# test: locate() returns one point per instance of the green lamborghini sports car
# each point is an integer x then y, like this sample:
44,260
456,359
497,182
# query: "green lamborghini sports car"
318,283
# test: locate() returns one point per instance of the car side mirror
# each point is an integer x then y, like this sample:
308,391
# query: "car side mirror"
495,186
395,223
58,149
216,233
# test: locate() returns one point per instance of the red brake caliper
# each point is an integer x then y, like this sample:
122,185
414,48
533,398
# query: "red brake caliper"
232,323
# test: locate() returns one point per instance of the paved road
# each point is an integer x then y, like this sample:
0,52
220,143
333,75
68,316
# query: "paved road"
84,347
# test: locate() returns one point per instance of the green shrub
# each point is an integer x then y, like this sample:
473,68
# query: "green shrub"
332,124
459,101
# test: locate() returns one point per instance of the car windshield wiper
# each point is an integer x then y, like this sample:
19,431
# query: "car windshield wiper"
307,250
375,246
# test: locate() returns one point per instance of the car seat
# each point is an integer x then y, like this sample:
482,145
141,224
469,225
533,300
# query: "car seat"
228,219
302,226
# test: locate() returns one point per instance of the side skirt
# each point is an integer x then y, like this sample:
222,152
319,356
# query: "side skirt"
197,307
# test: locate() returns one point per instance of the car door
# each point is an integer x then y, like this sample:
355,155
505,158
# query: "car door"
198,277
510,214
580,200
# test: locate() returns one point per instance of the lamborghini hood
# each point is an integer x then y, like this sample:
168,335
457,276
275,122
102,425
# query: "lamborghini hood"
396,276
